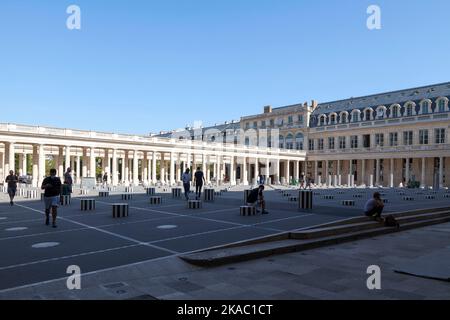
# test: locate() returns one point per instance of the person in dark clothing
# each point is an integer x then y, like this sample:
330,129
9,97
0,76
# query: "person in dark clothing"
52,187
12,180
256,195
105,179
374,207
199,179
68,182
186,177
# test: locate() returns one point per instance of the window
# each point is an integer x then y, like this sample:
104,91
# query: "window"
354,142
341,142
299,141
368,115
439,135
331,143
395,111
333,119
441,105
409,110
311,144
366,141
263,124
320,143
255,124
322,120
272,122
379,139
407,138
381,113
354,117
289,141
393,139
281,142
425,107
423,136
247,141
300,118
344,117
290,120
247,125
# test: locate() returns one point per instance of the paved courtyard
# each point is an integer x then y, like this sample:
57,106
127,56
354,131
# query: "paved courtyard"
34,253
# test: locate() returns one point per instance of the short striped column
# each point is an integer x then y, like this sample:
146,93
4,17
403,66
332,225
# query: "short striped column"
385,200
87,204
150,191
176,192
84,191
129,189
328,197
42,196
293,199
65,200
348,203
127,196
247,210
408,198
305,199
447,195
5,189
357,196
340,192
120,210
22,192
32,194
430,197
155,200
194,204
217,193
209,195
103,194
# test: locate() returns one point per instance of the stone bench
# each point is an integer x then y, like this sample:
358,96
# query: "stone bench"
155,200
87,204
120,210
176,192
194,204
348,203
127,196
65,200
103,194
247,210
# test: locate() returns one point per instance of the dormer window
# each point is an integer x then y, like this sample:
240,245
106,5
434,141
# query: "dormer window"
441,105
425,107
409,110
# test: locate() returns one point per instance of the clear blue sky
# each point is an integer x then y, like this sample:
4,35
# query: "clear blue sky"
145,66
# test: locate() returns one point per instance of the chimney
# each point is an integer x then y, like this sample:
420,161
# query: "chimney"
268,109
314,103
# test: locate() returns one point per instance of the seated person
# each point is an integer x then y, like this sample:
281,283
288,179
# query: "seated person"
256,195
374,207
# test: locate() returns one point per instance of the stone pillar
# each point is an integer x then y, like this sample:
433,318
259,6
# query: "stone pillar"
84,169
208,171
422,176
256,174
35,182
232,172
78,172
145,167
204,166
406,172
125,168
244,171
115,171
316,175
377,172
154,167
391,173
286,171
106,166
10,158
338,171
267,170
24,164
172,169
67,157
277,171
363,171
441,172
135,168
297,170
41,166
219,170
92,164
60,162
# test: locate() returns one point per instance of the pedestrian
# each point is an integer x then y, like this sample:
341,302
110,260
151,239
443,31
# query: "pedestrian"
199,179
12,180
374,207
186,178
68,182
105,179
52,187
256,197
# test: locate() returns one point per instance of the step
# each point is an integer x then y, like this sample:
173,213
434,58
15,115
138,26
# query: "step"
248,252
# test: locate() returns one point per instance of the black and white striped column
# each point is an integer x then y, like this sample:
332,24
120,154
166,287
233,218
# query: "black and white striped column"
305,199
32,194
247,210
150,191
87,204
176,192
65,200
155,200
194,204
120,210
127,196
84,191
103,194
129,189
348,203
209,195
246,194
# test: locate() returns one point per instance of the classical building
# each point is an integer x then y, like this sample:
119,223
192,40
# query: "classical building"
387,139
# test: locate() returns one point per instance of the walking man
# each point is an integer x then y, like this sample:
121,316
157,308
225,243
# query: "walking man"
105,179
52,187
68,182
12,180
186,177
199,179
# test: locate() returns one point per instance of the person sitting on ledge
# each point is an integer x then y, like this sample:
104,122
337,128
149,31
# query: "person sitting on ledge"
374,207
257,195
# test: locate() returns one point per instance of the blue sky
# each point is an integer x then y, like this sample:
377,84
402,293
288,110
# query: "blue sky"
145,66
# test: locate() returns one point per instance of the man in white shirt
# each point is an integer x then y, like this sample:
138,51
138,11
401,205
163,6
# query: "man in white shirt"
186,177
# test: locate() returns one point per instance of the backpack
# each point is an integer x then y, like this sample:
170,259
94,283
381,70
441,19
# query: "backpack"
390,221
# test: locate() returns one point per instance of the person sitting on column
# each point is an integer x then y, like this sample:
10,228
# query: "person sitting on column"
186,178
256,197
68,182
52,187
374,207
199,179
12,180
